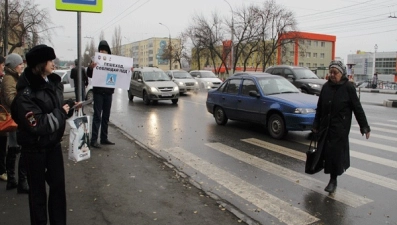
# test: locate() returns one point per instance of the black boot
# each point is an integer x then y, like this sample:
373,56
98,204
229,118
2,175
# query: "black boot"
23,187
331,187
10,165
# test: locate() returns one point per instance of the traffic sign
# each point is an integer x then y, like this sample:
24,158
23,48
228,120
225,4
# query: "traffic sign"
79,5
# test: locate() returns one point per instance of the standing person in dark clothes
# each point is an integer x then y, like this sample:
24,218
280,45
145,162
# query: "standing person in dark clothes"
41,113
3,136
84,81
102,104
337,101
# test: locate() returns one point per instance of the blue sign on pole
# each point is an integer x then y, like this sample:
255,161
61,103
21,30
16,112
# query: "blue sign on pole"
82,2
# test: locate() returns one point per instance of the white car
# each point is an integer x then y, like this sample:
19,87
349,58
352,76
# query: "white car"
184,81
68,85
207,79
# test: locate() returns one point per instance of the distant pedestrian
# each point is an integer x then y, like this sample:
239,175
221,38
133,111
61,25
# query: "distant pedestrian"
102,104
375,80
3,136
13,69
84,81
337,100
41,115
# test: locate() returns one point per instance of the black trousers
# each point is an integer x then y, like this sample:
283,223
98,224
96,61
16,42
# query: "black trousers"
102,106
47,167
3,153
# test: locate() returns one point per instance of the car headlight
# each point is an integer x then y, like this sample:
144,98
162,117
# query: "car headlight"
315,86
209,83
304,110
153,89
176,88
196,83
180,83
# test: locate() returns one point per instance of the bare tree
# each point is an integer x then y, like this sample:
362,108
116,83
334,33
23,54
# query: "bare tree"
27,24
116,41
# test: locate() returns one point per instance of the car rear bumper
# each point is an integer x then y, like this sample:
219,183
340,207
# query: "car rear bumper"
163,96
299,122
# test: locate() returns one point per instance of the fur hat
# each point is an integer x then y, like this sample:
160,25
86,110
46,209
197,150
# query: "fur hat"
13,60
339,66
39,54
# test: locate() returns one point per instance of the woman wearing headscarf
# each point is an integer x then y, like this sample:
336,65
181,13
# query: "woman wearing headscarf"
13,69
337,101
41,113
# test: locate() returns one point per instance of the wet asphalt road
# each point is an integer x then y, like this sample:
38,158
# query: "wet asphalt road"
263,177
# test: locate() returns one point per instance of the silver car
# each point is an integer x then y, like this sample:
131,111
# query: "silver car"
207,79
68,85
184,81
152,84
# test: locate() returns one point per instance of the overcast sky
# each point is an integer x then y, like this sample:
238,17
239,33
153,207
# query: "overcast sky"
357,24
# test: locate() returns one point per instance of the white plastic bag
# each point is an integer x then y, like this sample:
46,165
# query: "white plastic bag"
79,137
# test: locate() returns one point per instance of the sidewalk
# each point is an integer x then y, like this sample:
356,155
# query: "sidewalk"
385,102
124,184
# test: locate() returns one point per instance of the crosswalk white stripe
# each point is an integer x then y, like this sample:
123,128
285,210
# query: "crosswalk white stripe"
272,205
395,121
366,157
367,143
376,135
379,129
341,195
385,124
360,174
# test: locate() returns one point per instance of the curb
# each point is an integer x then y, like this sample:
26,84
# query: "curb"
390,103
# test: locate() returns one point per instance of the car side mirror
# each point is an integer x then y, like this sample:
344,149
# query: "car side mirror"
254,94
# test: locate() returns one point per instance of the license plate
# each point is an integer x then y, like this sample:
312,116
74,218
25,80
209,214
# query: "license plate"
166,94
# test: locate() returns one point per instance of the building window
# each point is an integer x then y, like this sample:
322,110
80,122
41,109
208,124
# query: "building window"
322,44
302,42
309,42
302,54
307,64
322,64
322,55
314,64
301,64
314,55
291,53
308,54
316,43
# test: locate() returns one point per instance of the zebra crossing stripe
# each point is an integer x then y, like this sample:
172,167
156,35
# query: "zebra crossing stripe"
380,129
385,124
341,195
373,145
395,121
375,135
360,174
274,206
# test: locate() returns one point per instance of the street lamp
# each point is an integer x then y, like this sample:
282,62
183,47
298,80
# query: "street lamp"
373,66
232,47
169,43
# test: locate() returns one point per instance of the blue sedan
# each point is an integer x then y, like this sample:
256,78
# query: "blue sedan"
265,99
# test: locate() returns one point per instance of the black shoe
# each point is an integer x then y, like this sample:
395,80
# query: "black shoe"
23,187
107,142
11,184
331,187
95,145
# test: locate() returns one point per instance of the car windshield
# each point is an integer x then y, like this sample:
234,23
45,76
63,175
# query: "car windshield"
182,75
302,73
276,85
207,74
155,76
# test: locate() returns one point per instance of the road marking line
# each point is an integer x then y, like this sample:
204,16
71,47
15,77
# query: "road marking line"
373,145
395,121
386,125
360,174
380,129
272,205
375,135
340,195
366,157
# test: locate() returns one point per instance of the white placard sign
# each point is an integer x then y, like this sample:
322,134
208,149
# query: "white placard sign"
112,71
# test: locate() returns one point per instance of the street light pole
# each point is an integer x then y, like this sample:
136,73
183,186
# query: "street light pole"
232,46
169,44
373,66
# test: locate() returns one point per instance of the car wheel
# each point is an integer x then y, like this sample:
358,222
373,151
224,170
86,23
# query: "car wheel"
146,99
130,96
220,116
276,126
174,101
89,95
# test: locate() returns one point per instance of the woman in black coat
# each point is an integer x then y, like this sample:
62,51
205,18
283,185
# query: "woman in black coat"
338,99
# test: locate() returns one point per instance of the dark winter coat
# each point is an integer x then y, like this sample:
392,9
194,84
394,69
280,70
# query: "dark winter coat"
333,121
37,109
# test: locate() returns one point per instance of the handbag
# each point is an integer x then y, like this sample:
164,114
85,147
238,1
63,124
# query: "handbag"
314,163
79,142
7,124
